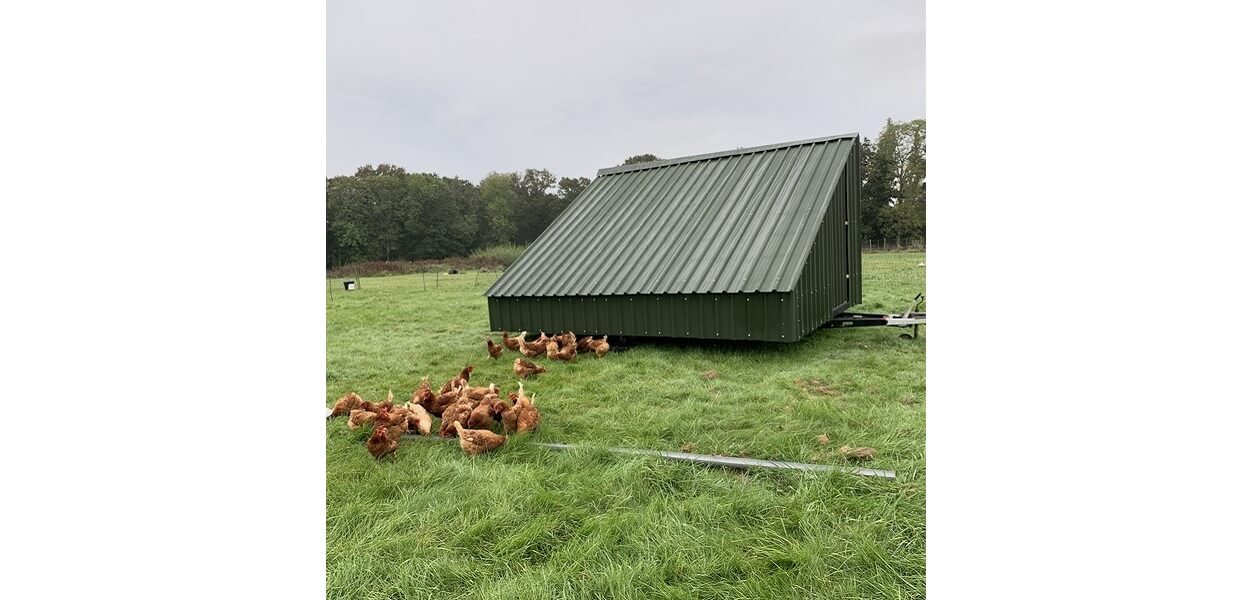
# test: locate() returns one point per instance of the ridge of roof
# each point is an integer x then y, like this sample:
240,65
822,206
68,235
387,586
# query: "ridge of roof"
655,164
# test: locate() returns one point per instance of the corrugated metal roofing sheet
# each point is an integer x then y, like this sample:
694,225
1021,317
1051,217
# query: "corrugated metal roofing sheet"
735,221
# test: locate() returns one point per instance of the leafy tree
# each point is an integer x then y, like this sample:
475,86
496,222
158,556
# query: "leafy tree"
906,218
501,203
347,234
535,183
536,204
640,158
382,170
571,187
893,195
878,191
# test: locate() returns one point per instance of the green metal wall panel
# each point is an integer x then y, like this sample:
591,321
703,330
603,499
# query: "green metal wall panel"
761,316
830,279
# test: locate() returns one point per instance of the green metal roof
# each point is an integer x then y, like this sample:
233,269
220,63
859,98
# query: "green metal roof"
735,221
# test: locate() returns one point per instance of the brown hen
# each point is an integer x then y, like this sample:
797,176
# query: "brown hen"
527,416
360,416
508,416
423,395
514,343
477,441
524,368
380,444
443,400
456,413
477,393
600,347
420,421
480,417
583,345
346,404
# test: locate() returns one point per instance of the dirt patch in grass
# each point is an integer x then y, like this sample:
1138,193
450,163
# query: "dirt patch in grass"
852,453
711,374
815,386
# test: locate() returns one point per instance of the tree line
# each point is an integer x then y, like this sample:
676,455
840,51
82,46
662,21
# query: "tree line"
892,201
387,213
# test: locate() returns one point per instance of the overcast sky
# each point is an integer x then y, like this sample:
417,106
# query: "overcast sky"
465,88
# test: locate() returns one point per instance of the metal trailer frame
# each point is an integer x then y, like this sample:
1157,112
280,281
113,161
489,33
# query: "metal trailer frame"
909,318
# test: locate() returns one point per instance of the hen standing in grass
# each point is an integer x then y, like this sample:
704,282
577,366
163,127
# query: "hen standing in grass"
514,343
456,413
493,349
600,347
346,404
566,353
583,345
380,444
423,395
533,350
360,416
480,417
477,441
443,400
420,421
496,406
527,416
396,423
477,393
524,368
508,415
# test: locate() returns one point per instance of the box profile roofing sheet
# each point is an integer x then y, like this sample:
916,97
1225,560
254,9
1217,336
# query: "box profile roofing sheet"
727,222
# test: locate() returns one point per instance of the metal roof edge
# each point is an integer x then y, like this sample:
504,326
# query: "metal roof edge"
791,280
723,153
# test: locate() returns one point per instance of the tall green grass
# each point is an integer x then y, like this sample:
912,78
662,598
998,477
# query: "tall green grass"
525,522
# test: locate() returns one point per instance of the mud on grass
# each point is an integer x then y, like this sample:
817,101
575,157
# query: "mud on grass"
525,522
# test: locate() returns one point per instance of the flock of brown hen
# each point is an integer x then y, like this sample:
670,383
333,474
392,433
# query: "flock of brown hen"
564,346
467,412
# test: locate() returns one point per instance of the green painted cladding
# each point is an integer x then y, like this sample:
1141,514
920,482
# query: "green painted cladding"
750,244
759,316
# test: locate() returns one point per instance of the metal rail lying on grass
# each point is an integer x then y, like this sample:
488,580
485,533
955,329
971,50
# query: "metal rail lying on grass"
735,462
732,462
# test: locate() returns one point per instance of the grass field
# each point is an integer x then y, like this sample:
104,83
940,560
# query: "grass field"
526,522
